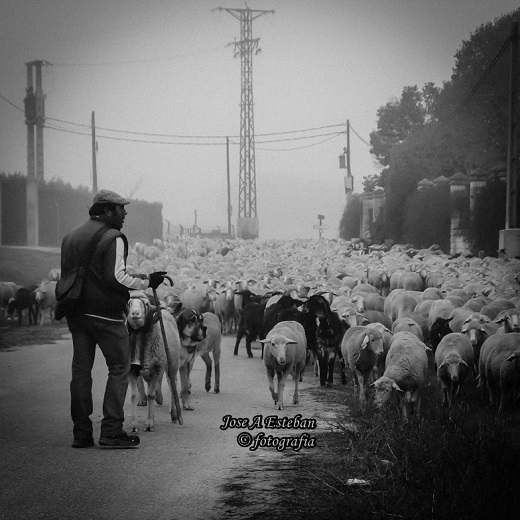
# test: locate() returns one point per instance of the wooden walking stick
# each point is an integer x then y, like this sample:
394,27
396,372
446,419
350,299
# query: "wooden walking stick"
165,341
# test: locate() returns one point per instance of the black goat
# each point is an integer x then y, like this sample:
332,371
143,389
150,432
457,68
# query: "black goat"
24,298
285,309
440,328
251,320
329,333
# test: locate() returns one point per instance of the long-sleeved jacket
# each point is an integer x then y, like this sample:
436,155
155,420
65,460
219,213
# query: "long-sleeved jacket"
106,286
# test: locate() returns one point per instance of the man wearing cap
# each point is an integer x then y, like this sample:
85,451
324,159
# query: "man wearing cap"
99,319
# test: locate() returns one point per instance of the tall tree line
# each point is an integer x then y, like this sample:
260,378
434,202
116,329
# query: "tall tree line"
436,131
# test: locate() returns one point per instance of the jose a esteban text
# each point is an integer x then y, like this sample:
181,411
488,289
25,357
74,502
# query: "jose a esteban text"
270,422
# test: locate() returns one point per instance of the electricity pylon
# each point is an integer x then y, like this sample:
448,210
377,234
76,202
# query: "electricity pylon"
247,45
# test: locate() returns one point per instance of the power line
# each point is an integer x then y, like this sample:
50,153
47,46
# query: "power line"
213,50
11,103
329,135
359,137
66,130
301,147
192,136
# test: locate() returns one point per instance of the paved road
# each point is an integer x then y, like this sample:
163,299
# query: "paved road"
178,472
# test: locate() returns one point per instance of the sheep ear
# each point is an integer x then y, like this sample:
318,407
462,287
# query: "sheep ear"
463,362
396,387
264,341
514,356
291,342
500,320
441,365
365,341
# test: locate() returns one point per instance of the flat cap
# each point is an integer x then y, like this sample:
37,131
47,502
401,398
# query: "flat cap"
109,197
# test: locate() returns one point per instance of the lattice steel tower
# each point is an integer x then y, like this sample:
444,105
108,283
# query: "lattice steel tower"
247,226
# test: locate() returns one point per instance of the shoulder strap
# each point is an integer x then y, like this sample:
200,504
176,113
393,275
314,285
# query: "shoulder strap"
93,243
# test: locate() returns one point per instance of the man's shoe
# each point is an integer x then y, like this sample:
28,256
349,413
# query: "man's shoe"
121,440
83,443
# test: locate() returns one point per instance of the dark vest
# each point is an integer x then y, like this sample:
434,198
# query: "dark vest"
103,295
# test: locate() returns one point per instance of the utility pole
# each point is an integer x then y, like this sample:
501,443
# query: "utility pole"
344,164
229,208
512,148
349,173
94,150
34,102
247,214
509,238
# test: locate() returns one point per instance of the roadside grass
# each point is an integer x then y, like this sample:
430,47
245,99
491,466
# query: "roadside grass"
460,463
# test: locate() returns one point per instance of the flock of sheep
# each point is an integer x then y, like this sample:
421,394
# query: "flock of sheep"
403,312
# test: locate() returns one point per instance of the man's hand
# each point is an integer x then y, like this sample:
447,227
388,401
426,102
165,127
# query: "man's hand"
156,279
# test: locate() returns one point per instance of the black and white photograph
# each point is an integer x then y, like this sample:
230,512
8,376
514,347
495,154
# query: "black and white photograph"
260,260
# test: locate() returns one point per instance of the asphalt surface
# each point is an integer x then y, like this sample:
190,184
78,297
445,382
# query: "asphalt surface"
178,472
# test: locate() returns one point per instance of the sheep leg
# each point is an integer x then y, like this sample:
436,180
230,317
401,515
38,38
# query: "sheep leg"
152,386
173,409
343,369
322,363
142,401
240,335
159,399
249,340
270,380
184,372
417,404
297,376
209,367
282,376
444,394
216,361
330,374
360,387
493,394
133,399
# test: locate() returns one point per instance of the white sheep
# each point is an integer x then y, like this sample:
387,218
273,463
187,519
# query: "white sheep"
285,353
148,344
499,369
405,373
454,359
361,348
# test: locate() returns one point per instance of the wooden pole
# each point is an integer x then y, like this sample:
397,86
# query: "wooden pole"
228,189
94,165
512,148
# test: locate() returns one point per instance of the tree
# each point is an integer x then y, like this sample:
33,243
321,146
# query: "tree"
396,121
474,120
441,131
350,223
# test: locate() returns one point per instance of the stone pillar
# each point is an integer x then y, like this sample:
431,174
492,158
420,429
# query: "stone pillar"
459,186
247,227
379,200
367,200
477,181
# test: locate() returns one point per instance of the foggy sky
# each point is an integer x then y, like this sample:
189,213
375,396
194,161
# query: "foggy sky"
166,68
